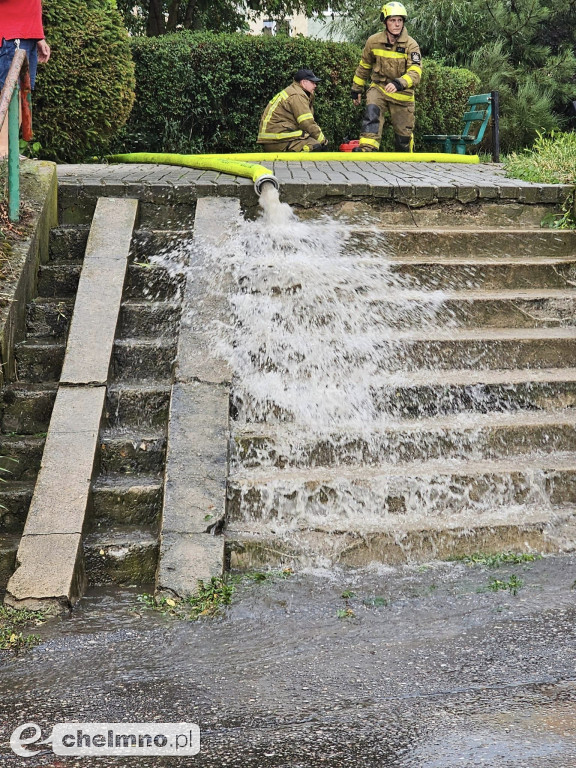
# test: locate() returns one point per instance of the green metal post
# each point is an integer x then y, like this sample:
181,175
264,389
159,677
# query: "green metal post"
14,156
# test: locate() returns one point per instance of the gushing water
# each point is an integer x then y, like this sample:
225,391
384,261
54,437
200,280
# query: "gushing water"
322,332
306,343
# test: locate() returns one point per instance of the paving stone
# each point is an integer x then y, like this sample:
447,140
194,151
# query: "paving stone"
311,178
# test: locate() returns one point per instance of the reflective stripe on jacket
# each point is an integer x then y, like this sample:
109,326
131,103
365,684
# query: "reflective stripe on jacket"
288,115
390,61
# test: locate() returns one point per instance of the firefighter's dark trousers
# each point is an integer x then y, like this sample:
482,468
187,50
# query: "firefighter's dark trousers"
401,115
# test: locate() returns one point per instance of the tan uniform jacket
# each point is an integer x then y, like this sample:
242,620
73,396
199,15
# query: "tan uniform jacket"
390,61
288,115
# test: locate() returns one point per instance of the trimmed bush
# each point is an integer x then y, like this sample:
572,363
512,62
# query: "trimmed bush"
84,94
203,92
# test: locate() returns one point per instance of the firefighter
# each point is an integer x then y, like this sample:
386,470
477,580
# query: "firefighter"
288,124
394,60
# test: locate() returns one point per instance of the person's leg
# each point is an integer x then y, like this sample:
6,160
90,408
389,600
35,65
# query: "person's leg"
304,144
274,146
402,116
32,53
373,121
301,144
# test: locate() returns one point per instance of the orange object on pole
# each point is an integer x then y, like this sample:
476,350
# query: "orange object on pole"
26,105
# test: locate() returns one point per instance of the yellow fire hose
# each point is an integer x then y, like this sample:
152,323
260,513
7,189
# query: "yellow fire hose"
243,164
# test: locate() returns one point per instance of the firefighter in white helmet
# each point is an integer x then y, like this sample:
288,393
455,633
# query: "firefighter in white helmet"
392,65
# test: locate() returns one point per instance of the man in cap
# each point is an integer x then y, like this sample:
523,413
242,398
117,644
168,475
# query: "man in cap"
392,60
287,124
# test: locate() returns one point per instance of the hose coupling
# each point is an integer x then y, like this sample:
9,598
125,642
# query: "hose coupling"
267,178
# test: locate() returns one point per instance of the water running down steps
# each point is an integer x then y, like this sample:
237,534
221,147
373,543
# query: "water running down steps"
354,441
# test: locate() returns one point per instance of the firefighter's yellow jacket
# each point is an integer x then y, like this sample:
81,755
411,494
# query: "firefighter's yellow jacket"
289,114
400,61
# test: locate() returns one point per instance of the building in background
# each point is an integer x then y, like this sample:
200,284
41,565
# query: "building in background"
317,27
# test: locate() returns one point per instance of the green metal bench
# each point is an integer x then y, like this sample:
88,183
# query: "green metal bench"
475,121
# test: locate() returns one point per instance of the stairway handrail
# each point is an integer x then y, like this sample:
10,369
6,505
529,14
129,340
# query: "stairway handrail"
17,82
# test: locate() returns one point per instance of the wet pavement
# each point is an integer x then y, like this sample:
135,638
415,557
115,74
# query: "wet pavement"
416,667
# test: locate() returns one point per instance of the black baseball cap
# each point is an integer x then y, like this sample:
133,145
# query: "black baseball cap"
306,74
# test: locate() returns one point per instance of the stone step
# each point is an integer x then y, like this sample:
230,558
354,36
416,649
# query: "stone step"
20,456
439,243
68,243
48,318
446,214
444,490
374,279
143,359
150,281
154,244
26,408
153,283
397,308
8,549
58,279
468,436
400,541
406,351
137,405
15,497
123,554
149,318
127,499
431,393
39,360
131,452
477,309
456,348
454,274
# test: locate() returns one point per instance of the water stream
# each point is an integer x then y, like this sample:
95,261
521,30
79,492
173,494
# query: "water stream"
320,335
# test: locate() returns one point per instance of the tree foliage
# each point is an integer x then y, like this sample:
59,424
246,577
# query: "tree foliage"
159,17
202,92
85,92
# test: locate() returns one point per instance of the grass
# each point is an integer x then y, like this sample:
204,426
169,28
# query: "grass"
498,559
551,160
512,585
13,623
211,597
208,600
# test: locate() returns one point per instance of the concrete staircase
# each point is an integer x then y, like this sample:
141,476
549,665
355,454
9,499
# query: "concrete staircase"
473,447
121,538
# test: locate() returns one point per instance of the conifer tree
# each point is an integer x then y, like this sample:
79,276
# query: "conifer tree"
522,48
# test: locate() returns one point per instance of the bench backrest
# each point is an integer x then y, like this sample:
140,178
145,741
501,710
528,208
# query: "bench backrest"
479,112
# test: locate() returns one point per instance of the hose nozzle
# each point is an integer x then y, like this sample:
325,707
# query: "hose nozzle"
266,178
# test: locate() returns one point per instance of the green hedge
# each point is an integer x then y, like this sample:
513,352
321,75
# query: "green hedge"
85,92
203,92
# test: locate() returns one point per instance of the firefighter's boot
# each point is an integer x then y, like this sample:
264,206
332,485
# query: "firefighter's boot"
402,143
